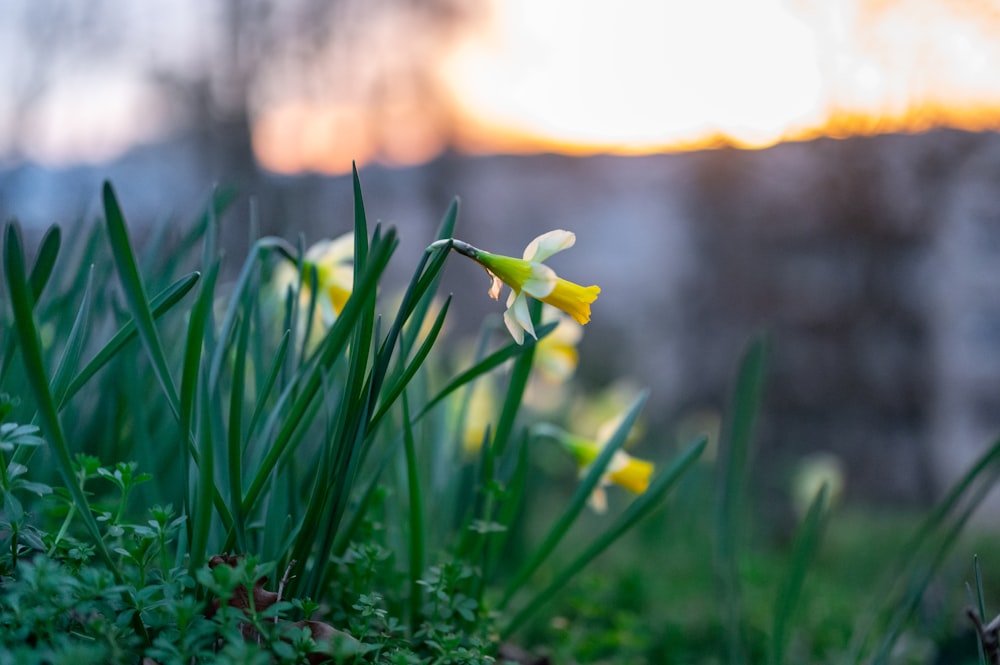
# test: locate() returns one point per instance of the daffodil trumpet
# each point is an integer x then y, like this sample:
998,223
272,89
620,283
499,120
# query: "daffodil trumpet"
624,470
528,276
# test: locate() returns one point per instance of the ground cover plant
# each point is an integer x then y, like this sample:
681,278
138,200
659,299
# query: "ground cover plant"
296,464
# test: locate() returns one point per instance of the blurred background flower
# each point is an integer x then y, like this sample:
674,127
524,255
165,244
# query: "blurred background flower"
329,264
811,473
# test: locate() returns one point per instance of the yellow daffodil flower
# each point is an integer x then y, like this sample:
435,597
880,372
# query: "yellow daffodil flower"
332,262
528,276
624,470
556,356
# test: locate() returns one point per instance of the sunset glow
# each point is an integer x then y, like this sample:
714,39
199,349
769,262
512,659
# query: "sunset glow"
639,77
397,84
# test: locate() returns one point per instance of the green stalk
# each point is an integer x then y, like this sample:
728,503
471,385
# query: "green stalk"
74,343
576,503
206,489
190,378
416,519
806,541
268,384
235,430
637,510
733,471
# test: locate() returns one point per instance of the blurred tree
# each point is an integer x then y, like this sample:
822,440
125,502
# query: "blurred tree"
214,66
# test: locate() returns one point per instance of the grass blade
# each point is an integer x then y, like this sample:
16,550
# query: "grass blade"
31,353
269,381
515,391
576,502
637,510
918,574
416,519
190,374
360,227
515,493
135,295
980,605
486,365
806,542
48,251
235,439
416,321
161,304
74,343
733,470
390,395
206,489
986,464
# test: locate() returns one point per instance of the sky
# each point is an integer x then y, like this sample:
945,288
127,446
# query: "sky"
582,77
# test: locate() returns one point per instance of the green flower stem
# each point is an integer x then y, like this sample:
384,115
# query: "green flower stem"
576,503
733,471
806,541
637,510
416,519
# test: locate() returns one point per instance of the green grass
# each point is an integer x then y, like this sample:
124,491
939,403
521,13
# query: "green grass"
207,462
216,418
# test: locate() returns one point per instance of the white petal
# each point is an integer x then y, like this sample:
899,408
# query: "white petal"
540,282
325,311
285,275
332,252
619,461
516,331
548,244
518,317
598,500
